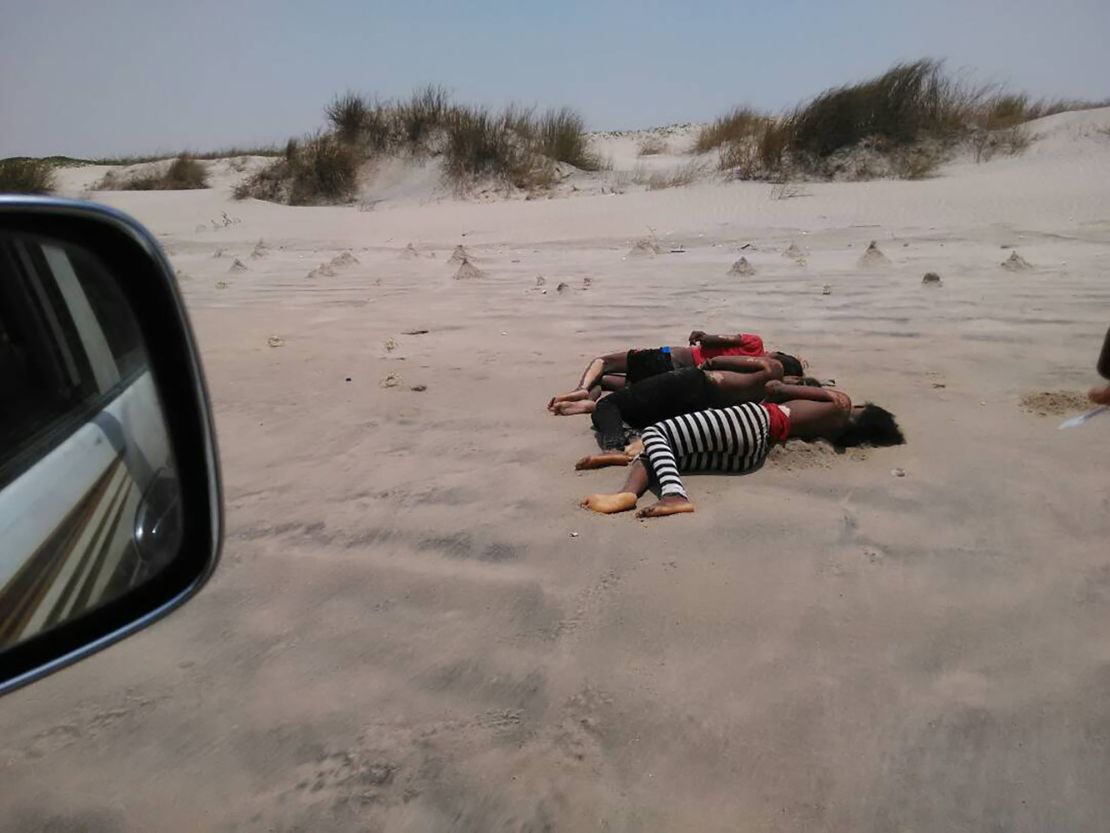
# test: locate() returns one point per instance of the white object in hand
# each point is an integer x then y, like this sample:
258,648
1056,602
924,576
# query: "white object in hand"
1079,420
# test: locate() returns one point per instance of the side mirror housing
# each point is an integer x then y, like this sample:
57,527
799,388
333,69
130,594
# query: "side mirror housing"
110,504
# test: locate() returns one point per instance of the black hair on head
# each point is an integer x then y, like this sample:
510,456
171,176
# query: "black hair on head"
790,365
872,426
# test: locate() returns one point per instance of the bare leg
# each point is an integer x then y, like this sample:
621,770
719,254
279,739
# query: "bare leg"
584,406
611,382
610,363
604,460
669,505
635,484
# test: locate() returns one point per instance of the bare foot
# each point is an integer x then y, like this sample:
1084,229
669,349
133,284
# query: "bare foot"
573,396
600,461
586,406
635,448
670,505
610,504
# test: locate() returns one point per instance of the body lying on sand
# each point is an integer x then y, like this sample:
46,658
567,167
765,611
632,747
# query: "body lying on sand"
614,371
718,412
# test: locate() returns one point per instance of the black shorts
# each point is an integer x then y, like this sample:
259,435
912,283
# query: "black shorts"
643,364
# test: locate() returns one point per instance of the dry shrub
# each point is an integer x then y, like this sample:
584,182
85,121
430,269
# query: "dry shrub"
480,144
183,174
26,176
738,125
322,169
903,105
652,146
423,114
685,174
561,135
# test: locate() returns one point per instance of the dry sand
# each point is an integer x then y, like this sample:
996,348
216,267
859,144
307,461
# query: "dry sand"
414,628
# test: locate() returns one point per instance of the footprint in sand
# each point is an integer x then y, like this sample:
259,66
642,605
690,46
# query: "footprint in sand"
459,256
409,252
742,267
259,250
795,253
238,267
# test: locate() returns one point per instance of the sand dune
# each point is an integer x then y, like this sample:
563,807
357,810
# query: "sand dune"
415,628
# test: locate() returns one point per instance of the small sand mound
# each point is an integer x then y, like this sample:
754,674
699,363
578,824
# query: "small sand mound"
645,247
322,271
798,454
1054,403
259,250
931,279
409,252
793,252
1016,263
343,259
460,255
742,267
238,266
467,270
873,257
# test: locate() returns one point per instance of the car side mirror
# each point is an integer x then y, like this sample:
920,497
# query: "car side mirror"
110,507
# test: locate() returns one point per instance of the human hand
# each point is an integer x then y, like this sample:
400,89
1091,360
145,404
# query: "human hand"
696,336
1100,396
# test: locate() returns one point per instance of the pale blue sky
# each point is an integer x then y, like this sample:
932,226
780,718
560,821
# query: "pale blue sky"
93,77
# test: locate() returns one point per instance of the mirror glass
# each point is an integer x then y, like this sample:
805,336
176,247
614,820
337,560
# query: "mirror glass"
90,507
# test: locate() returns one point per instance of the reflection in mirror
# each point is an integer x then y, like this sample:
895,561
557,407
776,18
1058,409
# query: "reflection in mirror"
89,498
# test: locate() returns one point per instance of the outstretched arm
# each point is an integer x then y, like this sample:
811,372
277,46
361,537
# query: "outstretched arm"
778,392
745,364
709,340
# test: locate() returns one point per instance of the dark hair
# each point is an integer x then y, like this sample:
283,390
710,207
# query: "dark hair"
872,426
790,365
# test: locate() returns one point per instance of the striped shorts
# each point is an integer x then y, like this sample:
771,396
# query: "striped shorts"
734,439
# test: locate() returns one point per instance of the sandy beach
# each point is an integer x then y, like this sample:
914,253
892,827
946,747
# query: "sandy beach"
415,628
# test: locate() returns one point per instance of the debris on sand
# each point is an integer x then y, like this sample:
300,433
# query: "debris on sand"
390,381
418,388
826,289
409,252
644,247
259,250
1016,263
460,255
1054,403
873,257
741,267
238,266
562,287
586,281
467,270
222,284
390,344
275,341
414,332
931,279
